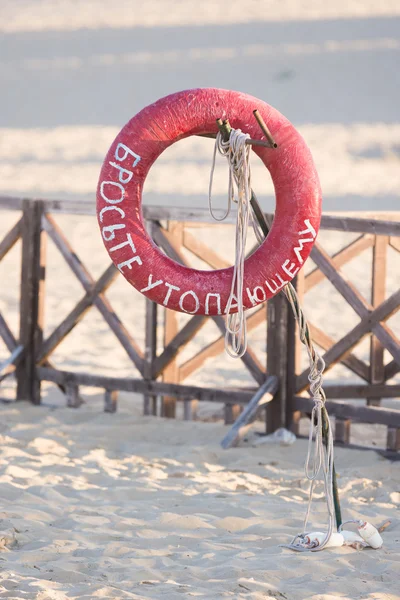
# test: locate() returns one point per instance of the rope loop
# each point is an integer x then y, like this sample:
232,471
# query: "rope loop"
237,153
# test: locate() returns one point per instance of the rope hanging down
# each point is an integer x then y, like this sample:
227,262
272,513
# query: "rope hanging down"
239,191
238,155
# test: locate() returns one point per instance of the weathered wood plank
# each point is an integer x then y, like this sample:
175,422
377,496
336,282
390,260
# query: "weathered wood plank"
204,252
100,301
172,243
231,413
378,292
393,439
7,334
167,241
77,313
217,346
330,222
10,239
356,301
351,224
68,253
120,332
355,335
351,361
72,395
355,391
11,202
263,395
343,256
395,243
110,401
277,359
249,359
170,372
391,369
388,340
150,352
361,225
363,414
189,410
8,371
344,287
226,395
294,358
176,343
11,359
31,299
342,430
40,276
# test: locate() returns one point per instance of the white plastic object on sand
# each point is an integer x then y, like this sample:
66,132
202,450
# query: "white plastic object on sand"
351,537
370,534
281,436
315,539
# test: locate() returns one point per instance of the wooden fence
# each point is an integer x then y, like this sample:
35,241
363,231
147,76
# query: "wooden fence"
280,384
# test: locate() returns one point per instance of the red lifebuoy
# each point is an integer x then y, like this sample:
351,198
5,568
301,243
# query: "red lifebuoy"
119,199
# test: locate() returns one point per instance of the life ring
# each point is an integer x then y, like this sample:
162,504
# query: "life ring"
119,202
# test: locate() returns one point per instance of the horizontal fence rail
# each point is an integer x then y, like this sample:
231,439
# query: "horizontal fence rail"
162,376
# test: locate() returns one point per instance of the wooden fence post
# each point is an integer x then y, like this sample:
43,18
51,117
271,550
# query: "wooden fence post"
110,401
378,289
277,354
150,400
171,328
393,439
32,299
231,413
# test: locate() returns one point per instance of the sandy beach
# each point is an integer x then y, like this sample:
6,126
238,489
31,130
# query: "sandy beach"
118,506
122,506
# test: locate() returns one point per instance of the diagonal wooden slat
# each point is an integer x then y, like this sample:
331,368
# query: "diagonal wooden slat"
216,347
353,363
10,360
384,311
263,395
356,301
165,240
71,258
204,252
101,303
7,335
343,256
391,369
395,243
180,340
10,239
77,313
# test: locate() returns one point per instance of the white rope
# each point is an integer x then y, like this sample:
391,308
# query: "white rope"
238,155
321,457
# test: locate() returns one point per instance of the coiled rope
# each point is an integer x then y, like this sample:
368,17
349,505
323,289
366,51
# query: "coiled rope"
239,191
237,153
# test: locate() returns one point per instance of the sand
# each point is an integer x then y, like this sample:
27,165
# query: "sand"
94,505
121,506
